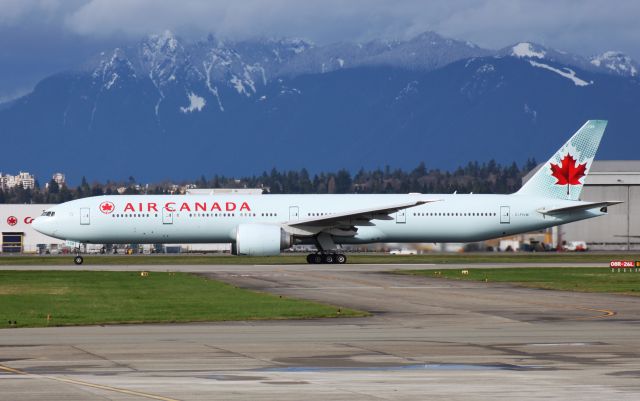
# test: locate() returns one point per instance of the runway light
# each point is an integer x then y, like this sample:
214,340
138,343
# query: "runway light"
144,274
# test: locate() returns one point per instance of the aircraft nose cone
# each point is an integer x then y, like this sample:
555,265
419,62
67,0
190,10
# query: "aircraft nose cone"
37,224
40,226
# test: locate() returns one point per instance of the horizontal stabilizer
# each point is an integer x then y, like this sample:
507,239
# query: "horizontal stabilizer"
577,208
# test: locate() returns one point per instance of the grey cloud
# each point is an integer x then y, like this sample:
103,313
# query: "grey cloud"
69,29
583,26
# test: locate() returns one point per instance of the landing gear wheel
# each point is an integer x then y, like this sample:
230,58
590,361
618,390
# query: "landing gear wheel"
329,258
78,260
326,258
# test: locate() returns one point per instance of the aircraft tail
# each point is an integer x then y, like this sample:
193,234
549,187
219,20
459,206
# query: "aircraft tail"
563,175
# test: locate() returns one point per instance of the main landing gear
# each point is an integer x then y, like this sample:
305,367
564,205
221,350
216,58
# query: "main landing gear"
322,258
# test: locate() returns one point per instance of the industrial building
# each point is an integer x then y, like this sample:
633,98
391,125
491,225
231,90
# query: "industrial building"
17,234
619,230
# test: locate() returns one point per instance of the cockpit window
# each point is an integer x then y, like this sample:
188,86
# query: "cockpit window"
47,213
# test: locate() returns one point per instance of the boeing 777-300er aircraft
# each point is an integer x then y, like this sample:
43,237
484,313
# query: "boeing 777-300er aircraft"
266,224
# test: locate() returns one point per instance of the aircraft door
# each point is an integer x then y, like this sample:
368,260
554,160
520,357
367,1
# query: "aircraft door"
85,214
167,216
294,213
505,215
401,216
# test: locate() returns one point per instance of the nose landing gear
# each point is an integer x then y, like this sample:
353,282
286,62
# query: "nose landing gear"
77,259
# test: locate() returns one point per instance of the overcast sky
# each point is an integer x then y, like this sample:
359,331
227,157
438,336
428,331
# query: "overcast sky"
39,37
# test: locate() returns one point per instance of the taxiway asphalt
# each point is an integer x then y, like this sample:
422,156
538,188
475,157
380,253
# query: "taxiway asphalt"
427,339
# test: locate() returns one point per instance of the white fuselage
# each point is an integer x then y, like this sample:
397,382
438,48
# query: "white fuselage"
215,218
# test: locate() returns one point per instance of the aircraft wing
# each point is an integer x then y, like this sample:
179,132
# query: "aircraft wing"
577,208
352,218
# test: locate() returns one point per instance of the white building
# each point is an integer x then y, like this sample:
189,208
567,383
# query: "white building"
224,191
59,178
17,233
24,179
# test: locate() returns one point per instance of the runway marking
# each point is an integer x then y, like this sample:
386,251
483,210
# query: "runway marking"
605,313
88,384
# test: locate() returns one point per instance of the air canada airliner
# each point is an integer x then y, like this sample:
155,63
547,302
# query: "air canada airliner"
261,225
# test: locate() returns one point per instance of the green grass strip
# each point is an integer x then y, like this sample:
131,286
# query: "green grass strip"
87,297
585,279
186,259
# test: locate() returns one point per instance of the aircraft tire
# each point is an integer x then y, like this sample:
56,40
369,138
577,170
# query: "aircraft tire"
329,258
341,259
78,260
314,259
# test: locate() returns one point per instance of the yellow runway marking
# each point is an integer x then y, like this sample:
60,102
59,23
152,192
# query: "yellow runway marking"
87,384
605,313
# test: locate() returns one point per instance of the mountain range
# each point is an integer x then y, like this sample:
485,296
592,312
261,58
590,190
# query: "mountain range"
167,108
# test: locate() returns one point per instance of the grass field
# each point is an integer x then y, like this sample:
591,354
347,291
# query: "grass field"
586,279
85,297
186,259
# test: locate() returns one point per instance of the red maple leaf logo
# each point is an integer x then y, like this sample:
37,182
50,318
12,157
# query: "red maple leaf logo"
106,207
12,221
568,172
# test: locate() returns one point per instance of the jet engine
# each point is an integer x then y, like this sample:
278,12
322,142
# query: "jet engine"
260,240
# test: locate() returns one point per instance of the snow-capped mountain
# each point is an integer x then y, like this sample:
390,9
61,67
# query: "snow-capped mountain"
200,70
609,62
426,51
167,108
247,66
616,63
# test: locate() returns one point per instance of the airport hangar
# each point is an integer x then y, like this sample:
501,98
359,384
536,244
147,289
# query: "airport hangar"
607,180
619,230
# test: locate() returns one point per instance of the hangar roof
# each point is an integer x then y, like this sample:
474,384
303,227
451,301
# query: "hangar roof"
607,172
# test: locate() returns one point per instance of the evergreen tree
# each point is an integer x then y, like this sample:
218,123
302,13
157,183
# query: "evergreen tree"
53,187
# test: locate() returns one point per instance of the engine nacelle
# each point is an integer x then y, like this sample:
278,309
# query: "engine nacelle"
260,240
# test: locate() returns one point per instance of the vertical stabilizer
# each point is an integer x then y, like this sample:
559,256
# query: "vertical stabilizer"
562,177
